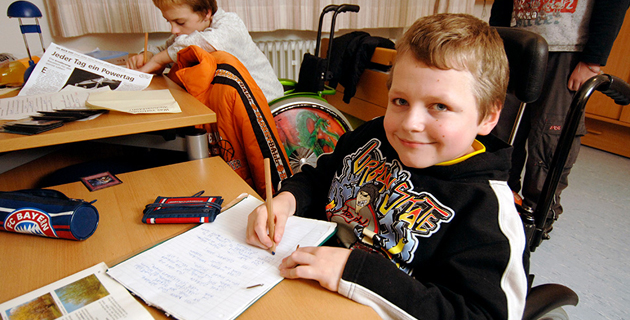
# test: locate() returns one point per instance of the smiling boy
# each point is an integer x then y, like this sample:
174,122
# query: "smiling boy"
446,240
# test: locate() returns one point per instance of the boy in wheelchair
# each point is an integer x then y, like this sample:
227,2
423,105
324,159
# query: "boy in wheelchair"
440,237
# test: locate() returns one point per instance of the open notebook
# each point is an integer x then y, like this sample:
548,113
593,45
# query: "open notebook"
204,273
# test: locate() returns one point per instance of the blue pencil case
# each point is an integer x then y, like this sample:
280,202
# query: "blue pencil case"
193,209
47,213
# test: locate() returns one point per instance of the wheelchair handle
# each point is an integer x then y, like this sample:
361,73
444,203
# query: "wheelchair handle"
617,89
329,8
337,9
348,7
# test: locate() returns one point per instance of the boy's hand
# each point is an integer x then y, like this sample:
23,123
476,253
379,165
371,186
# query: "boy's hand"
155,64
582,72
151,67
137,61
324,264
257,234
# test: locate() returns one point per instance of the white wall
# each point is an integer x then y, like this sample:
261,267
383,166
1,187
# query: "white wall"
11,39
10,36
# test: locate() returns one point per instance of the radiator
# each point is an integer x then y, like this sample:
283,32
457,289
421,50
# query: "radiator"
285,56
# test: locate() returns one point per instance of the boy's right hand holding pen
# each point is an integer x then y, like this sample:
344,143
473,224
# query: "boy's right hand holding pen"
257,232
322,264
139,60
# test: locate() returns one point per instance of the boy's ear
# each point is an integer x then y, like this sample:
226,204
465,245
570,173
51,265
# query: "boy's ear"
208,16
490,121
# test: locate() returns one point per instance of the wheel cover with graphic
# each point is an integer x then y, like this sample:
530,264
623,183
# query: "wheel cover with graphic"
308,128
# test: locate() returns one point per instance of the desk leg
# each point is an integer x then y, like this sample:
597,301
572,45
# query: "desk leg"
197,144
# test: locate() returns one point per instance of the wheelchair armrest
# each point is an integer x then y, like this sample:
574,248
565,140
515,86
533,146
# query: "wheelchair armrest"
546,297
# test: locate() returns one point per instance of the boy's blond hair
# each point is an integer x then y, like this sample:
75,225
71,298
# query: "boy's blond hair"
202,7
461,42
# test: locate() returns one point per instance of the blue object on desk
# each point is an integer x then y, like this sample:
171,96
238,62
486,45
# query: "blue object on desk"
115,57
24,9
47,213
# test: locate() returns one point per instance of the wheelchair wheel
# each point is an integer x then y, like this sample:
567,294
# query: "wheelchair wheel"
555,314
308,127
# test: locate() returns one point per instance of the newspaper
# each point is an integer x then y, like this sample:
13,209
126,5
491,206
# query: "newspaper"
88,294
60,67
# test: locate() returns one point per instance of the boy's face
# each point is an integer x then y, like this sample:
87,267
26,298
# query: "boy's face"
432,114
185,21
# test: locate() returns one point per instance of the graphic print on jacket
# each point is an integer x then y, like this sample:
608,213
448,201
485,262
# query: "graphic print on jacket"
374,196
229,75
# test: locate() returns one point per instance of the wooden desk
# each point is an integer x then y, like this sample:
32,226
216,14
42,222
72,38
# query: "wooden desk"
116,124
30,262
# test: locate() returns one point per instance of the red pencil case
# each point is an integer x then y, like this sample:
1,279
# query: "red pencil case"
193,209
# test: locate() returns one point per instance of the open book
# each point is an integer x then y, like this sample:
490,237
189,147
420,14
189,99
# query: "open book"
87,294
205,272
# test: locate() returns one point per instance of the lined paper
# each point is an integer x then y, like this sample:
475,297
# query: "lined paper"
204,273
16,108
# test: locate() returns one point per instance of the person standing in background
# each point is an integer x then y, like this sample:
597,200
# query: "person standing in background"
580,35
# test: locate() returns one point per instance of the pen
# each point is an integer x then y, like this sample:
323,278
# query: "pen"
270,217
146,44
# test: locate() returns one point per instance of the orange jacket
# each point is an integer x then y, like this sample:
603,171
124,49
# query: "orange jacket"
246,127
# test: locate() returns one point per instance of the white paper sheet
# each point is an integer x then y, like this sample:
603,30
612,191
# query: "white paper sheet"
204,273
16,108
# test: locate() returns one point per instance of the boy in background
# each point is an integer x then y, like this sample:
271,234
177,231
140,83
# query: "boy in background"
442,239
580,35
202,23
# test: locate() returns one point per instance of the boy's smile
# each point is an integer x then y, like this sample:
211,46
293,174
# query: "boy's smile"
185,21
432,114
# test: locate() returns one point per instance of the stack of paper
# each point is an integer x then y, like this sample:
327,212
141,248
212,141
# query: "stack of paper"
151,101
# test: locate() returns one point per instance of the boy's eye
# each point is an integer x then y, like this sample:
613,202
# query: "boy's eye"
440,107
399,101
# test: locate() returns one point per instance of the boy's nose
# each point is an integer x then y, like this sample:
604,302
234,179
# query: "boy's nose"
174,28
414,120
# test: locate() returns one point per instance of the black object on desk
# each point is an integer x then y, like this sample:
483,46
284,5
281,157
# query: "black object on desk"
48,120
31,126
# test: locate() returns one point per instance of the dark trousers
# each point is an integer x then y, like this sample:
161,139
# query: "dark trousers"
539,132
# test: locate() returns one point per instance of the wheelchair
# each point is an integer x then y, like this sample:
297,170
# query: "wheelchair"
307,124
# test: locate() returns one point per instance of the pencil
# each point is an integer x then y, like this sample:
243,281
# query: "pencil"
146,44
270,217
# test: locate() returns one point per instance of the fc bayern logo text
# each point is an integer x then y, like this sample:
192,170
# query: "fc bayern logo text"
29,220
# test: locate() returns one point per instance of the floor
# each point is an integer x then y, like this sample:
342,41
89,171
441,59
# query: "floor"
589,247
